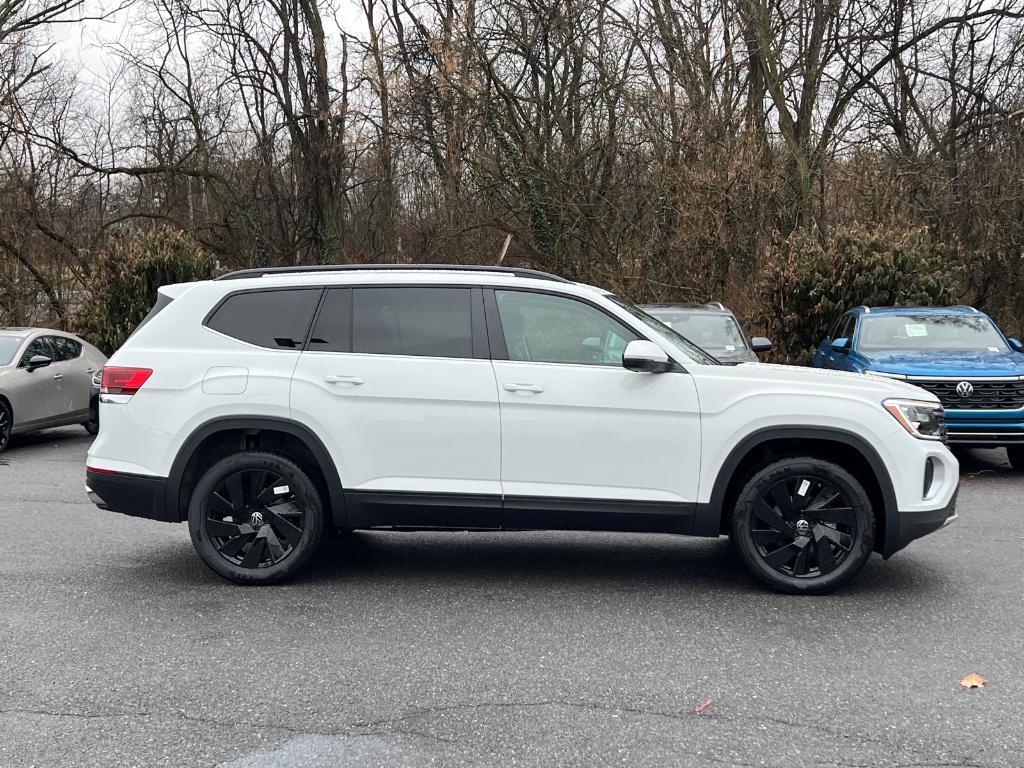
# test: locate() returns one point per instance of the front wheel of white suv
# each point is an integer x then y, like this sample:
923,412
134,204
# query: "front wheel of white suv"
803,525
255,517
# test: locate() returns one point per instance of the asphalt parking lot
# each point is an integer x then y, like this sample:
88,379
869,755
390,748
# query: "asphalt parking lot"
119,648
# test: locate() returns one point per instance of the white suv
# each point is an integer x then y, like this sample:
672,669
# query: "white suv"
269,406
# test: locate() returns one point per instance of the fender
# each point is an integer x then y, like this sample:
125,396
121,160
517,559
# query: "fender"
715,511
294,428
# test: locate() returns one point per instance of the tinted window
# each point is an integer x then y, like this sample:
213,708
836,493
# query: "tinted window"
41,346
554,329
333,330
65,349
274,319
435,322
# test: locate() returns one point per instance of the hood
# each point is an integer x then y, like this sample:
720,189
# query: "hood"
813,378
946,363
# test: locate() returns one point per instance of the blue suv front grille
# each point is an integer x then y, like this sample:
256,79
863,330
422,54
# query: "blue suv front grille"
994,394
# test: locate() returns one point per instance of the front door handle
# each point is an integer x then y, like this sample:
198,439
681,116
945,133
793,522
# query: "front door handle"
58,376
524,388
353,380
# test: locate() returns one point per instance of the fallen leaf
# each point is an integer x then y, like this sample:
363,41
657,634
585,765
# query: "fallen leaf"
973,680
707,703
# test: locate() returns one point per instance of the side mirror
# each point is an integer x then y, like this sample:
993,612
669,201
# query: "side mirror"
1016,345
760,344
841,344
645,357
38,361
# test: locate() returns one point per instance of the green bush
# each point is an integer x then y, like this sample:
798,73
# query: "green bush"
125,275
809,280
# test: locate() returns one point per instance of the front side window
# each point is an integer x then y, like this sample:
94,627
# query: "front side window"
41,346
948,333
276,319
420,321
542,328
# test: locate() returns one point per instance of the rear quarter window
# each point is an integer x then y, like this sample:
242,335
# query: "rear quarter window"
275,319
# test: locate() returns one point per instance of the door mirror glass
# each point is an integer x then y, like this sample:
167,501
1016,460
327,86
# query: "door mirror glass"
38,361
1016,345
841,344
760,344
645,357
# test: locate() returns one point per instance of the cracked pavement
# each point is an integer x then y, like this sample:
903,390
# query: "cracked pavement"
119,648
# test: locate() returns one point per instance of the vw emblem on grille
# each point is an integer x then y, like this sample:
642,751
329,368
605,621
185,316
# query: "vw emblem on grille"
965,389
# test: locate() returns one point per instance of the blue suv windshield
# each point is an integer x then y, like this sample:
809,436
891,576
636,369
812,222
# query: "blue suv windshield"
949,333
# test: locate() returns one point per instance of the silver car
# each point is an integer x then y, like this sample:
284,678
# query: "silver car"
45,380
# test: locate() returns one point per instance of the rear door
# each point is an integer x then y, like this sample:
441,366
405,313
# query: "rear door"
398,382
75,380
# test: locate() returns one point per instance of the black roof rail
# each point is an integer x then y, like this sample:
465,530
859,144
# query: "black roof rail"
241,274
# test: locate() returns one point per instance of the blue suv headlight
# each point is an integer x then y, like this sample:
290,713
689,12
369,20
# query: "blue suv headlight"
922,419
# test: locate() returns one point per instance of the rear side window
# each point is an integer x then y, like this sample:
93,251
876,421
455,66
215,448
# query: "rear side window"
432,322
65,348
276,319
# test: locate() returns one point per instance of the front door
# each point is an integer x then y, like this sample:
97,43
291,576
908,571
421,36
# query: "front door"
398,383
586,443
34,394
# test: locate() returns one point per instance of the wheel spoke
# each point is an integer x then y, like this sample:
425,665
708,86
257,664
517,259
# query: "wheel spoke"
277,552
257,481
219,504
800,565
287,530
771,538
782,555
255,554
779,494
266,495
825,496
221,529
235,491
837,515
285,509
235,545
826,560
840,539
769,516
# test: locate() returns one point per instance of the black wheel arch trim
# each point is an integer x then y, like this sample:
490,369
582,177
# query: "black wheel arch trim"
711,520
336,497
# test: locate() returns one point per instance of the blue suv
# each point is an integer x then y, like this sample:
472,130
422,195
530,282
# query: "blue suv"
956,353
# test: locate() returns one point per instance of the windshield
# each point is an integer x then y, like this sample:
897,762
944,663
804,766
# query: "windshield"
696,353
951,333
8,347
716,333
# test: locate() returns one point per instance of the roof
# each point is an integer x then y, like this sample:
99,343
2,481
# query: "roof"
714,307
959,309
18,331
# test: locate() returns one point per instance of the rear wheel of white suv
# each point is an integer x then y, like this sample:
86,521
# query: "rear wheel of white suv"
255,517
803,525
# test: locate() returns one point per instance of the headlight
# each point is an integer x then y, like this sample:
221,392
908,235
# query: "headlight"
919,417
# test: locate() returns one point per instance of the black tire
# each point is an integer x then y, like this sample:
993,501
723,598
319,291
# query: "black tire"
92,427
1015,453
6,425
803,525
249,530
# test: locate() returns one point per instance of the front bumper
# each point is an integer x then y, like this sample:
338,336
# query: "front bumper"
135,495
914,525
985,428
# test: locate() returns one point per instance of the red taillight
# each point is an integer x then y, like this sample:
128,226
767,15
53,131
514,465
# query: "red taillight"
123,381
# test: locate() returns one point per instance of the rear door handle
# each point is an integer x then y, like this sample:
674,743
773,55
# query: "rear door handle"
524,388
58,376
354,380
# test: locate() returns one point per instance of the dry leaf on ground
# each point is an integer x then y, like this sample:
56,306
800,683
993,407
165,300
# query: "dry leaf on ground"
973,680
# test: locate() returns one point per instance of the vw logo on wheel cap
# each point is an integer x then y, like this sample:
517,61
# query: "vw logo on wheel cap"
256,519
965,389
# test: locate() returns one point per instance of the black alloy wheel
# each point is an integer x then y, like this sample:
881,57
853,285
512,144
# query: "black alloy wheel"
255,517
803,525
6,425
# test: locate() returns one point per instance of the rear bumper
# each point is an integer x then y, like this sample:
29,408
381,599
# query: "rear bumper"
135,495
914,525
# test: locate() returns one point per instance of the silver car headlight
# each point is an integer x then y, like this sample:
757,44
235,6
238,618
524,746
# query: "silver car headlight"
921,418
